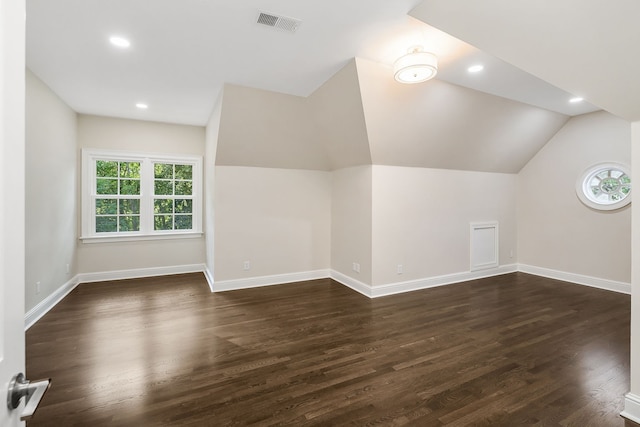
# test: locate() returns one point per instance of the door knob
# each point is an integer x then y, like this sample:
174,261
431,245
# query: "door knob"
20,387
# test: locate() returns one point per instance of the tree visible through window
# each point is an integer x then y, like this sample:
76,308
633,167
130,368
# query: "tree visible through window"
117,196
173,197
128,194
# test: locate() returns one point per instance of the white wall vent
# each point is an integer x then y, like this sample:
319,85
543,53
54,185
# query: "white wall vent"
280,22
484,245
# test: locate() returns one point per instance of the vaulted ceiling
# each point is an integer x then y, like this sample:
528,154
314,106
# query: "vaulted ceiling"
361,117
183,52
323,97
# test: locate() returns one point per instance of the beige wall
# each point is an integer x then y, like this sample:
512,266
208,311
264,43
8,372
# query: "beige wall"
338,118
110,133
351,225
421,219
325,131
555,229
139,136
267,129
380,216
51,198
277,219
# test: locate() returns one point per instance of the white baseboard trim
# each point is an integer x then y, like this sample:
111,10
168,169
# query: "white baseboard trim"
140,272
594,282
209,276
367,290
631,407
277,279
415,285
432,282
352,283
43,307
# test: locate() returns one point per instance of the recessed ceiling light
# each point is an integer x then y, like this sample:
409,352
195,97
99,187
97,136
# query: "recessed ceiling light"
142,106
475,68
576,100
119,42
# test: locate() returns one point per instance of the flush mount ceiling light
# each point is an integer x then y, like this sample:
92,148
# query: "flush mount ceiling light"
576,100
142,106
475,68
416,66
120,42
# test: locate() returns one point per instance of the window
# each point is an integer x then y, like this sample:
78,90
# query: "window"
605,186
117,196
173,196
140,196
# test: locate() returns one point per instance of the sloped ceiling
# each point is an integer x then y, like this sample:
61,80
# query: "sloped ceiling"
182,52
444,126
586,48
361,117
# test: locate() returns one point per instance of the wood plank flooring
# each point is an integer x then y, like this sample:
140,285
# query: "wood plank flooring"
506,351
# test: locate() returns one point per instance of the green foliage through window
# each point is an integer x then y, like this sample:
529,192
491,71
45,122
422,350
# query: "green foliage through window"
139,195
115,213
173,180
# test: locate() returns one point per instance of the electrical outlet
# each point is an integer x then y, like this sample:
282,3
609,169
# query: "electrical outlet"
37,288
246,265
511,253
356,267
68,269
400,270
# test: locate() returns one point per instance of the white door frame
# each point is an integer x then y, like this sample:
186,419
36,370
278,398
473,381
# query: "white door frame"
12,200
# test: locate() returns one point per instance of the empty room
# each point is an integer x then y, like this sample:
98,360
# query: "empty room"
320,213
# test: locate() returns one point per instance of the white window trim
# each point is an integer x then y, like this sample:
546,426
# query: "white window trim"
88,185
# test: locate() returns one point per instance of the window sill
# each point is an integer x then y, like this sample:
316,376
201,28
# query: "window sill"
139,238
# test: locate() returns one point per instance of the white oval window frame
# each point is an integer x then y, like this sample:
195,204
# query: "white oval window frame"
582,186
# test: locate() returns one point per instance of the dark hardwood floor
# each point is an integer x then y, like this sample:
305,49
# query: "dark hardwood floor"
507,351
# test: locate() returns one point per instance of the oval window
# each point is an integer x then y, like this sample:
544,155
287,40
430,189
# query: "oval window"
605,186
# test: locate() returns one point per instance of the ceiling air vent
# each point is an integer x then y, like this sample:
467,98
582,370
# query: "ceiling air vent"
280,22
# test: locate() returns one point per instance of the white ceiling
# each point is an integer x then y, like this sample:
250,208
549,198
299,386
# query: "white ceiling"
183,51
